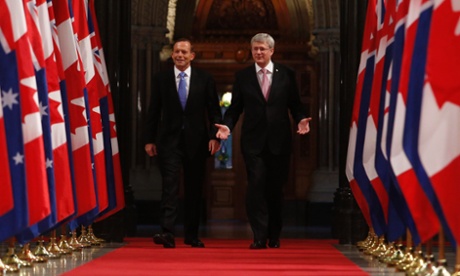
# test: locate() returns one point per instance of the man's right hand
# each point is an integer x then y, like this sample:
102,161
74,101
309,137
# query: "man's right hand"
222,131
151,149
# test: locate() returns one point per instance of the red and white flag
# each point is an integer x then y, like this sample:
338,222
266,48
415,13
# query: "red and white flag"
87,207
34,153
65,205
84,41
114,177
423,214
366,63
439,134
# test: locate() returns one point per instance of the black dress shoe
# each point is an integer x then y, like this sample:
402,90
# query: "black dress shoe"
166,239
274,243
194,243
258,245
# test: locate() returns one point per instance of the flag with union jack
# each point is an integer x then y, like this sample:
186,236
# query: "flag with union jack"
15,197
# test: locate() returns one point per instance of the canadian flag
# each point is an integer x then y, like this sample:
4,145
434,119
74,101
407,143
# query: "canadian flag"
34,151
114,177
358,155
38,59
84,42
439,134
423,214
87,207
65,205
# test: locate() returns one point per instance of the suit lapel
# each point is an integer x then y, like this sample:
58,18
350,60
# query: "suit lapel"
275,81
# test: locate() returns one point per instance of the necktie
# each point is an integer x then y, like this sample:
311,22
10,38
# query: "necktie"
265,83
182,90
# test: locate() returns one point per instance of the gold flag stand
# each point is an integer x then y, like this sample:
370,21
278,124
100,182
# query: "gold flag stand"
27,255
7,268
12,259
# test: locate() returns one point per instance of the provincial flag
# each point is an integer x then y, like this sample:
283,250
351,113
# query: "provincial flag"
434,110
16,219
85,191
94,112
425,221
361,187
113,168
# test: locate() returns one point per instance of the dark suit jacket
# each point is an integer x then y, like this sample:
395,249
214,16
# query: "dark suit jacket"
166,120
266,123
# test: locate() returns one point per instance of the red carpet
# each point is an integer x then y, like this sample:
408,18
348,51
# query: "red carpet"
222,257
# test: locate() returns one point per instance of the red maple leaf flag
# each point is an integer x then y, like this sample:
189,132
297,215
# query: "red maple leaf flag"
424,216
366,55
65,205
87,207
114,177
84,42
34,151
439,136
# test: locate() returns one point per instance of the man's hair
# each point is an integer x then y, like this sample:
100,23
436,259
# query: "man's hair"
183,39
264,38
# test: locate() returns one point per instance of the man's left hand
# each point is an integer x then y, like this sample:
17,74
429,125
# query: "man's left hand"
304,126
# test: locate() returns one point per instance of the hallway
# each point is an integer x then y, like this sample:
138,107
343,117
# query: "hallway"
217,232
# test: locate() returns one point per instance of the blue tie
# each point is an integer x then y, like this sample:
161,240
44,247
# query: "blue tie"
182,89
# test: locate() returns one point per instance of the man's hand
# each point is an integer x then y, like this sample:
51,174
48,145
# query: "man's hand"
214,146
304,126
222,131
151,149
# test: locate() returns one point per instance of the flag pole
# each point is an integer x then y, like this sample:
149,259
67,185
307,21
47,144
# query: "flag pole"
457,262
442,262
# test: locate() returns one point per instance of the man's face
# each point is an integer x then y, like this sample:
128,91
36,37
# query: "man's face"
261,53
182,55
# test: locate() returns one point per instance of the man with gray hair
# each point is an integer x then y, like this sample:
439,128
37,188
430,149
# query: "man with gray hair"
266,92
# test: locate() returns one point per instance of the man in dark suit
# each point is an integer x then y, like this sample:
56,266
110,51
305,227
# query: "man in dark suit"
180,129
265,92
